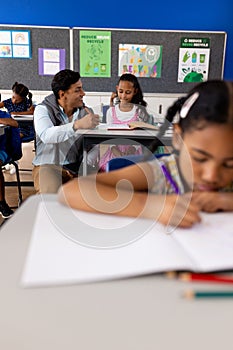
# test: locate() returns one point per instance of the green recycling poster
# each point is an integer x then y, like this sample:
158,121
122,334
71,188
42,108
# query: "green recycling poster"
95,53
194,57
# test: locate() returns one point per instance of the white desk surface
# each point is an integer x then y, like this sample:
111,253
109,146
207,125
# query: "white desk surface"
26,117
138,313
102,130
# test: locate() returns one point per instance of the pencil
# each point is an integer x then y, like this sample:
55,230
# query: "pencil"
198,277
169,178
208,294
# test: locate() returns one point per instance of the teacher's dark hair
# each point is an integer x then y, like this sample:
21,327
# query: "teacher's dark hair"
63,80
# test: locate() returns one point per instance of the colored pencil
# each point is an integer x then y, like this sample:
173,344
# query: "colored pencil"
208,294
198,277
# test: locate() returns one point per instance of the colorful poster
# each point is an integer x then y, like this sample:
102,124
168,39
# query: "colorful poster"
15,44
140,60
95,53
51,61
194,58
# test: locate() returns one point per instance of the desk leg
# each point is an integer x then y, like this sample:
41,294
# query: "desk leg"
84,162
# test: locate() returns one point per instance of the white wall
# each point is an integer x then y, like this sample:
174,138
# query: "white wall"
157,103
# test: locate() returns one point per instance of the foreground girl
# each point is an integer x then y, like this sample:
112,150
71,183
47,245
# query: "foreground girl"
175,188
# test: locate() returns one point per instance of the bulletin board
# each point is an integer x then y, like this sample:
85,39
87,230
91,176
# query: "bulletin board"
170,42
26,70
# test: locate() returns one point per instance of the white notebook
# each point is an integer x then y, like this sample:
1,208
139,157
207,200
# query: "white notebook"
69,246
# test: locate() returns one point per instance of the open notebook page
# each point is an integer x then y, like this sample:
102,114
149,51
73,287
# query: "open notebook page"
54,256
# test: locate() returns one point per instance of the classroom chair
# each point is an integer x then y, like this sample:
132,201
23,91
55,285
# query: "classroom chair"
124,161
17,183
14,153
104,112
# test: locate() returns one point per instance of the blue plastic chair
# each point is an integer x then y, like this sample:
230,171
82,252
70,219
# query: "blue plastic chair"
13,151
121,162
104,112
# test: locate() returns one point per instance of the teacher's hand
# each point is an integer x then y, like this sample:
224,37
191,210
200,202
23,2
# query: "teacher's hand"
89,121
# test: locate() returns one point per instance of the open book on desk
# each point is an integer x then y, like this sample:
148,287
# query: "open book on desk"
132,126
89,247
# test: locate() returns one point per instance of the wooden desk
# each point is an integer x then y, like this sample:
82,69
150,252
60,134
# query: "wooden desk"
96,136
137,313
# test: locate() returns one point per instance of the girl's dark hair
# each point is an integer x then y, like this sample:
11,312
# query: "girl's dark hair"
22,91
138,98
214,104
63,80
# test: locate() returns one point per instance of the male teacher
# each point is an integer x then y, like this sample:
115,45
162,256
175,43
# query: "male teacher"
57,121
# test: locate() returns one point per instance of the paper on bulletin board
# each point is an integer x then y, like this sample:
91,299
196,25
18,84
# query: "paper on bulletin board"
50,61
95,53
194,57
140,60
15,44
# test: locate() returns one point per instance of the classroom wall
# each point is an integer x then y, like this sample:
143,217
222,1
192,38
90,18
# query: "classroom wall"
206,15
199,15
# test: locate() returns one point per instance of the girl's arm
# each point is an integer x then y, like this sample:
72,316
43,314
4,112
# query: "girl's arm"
124,192
9,122
28,112
1,104
214,201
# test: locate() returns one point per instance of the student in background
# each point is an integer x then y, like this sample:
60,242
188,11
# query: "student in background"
172,189
126,105
21,104
57,122
5,119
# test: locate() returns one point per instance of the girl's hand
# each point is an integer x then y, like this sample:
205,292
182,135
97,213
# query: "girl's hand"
214,201
113,95
179,211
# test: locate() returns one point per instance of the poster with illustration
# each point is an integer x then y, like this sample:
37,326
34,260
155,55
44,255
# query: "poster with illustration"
194,57
15,44
140,60
95,53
